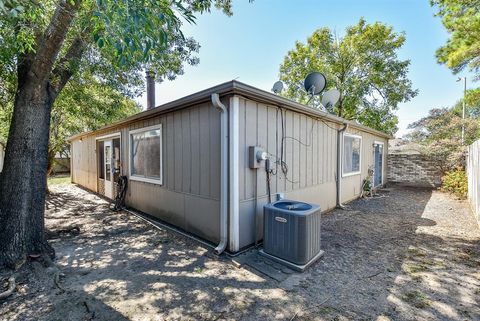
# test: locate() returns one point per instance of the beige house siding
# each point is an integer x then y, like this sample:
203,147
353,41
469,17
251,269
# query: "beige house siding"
310,154
190,194
84,162
351,185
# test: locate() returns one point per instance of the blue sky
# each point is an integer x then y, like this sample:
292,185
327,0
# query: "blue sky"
250,45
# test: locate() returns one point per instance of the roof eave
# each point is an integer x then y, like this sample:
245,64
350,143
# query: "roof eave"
236,88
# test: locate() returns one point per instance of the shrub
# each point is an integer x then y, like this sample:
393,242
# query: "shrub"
455,182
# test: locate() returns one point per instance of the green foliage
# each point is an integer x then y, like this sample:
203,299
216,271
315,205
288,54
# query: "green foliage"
456,182
363,66
462,20
118,39
107,48
441,131
83,105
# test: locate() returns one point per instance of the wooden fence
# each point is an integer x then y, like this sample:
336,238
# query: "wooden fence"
473,172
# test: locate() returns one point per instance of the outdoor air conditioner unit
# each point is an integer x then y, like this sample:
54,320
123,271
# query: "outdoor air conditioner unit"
292,233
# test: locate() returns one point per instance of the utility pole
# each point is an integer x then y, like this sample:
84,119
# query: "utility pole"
463,106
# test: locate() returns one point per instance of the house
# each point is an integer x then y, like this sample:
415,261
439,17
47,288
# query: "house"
189,162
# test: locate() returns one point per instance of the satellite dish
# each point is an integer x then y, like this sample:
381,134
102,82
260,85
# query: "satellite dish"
277,87
315,83
330,98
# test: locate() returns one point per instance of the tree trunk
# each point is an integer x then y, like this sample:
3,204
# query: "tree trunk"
50,164
24,176
23,180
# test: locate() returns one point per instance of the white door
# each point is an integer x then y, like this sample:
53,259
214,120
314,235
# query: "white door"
107,149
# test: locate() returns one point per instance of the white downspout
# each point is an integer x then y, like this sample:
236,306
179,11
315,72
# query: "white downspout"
234,133
223,173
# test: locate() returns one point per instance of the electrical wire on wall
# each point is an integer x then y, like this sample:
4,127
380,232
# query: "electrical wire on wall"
279,156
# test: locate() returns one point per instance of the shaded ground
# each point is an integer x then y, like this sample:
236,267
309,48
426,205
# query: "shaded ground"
407,255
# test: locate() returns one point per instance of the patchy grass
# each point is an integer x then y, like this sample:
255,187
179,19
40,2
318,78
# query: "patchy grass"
59,180
412,268
417,299
413,251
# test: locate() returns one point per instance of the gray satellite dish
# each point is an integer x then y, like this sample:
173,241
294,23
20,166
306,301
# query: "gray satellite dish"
330,98
277,87
315,83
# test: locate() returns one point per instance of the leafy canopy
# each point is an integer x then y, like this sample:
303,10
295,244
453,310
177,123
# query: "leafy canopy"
113,40
107,48
440,133
363,65
83,105
461,18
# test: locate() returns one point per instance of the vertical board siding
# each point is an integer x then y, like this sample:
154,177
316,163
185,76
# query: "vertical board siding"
84,162
178,151
351,185
309,149
473,172
186,144
251,129
191,150
191,169
309,153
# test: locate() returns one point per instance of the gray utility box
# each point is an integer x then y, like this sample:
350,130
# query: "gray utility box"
292,233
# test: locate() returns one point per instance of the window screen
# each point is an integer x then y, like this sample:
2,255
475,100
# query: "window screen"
351,154
146,154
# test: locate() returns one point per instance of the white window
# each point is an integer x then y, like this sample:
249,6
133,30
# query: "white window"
146,154
352,151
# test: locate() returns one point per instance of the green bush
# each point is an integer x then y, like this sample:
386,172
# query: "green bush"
455,182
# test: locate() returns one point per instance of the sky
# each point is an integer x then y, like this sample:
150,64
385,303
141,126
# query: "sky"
250,46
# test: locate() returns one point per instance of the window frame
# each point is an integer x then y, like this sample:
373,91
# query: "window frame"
343,158
133,177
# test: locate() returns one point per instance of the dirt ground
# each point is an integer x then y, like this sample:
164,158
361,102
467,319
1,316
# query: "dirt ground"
409,254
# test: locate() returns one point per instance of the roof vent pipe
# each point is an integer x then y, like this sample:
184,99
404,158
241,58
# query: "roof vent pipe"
150,75
339,165
223,173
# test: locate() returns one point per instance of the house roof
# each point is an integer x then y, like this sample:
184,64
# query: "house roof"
236,88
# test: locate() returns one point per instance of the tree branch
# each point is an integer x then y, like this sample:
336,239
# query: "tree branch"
49,45
64,70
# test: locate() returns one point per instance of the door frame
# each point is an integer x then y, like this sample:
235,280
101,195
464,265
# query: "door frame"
108,183
108,138
383,162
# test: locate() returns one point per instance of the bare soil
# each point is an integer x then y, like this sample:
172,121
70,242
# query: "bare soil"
409,254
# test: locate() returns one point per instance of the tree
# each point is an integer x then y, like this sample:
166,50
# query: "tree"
440,133
461,18
363,66
44,46
82,106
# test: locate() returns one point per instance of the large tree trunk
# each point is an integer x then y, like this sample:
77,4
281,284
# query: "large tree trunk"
23,180
50,164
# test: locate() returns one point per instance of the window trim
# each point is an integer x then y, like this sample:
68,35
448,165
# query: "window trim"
376,142
343,151
130,162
